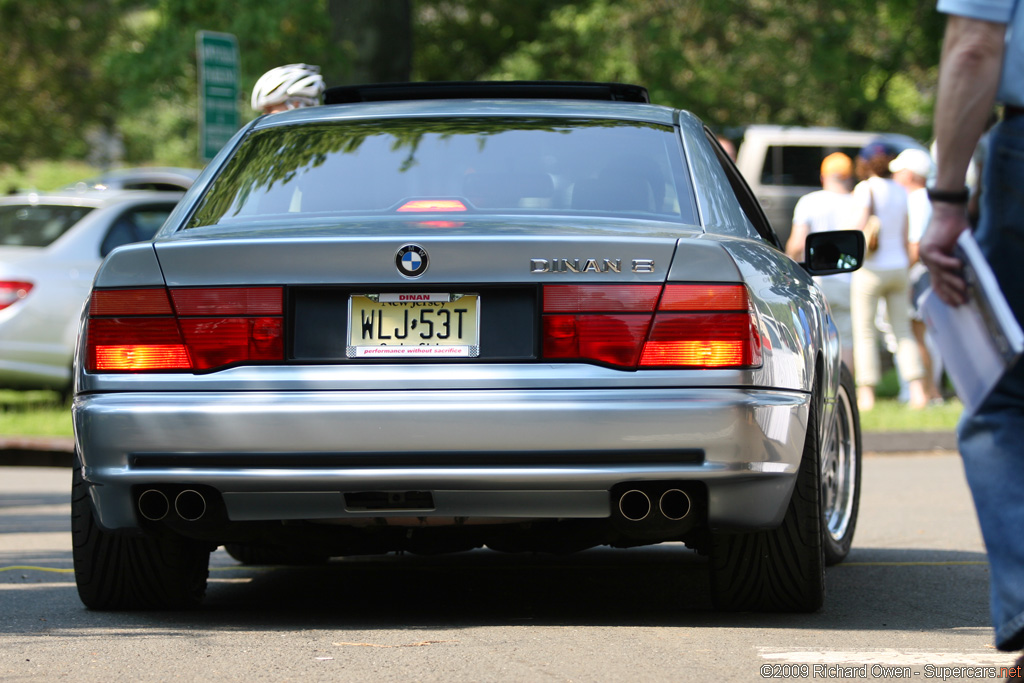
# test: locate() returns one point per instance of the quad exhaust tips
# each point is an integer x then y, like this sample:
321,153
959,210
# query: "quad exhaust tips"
656,511
155,505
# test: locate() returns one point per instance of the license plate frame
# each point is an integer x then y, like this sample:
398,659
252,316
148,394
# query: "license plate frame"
395,312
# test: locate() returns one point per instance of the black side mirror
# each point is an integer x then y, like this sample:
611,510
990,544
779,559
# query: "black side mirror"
840,251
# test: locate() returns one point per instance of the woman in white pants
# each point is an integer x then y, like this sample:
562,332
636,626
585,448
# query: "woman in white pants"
883,275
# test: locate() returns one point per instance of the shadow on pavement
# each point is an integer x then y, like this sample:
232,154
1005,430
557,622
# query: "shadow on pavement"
664,585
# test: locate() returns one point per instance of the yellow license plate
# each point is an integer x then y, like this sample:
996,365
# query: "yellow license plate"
413,325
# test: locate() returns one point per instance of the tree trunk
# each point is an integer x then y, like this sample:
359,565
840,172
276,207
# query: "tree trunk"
376,35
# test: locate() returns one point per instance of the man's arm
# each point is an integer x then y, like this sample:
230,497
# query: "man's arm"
795,243
972,58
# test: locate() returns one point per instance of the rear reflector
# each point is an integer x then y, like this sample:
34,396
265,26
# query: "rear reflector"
13,291
229,301
136,330
701,297
647,326
580,298
432,205
130,302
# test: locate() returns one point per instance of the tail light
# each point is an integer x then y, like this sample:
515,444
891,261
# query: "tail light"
12,291
650,326
138,330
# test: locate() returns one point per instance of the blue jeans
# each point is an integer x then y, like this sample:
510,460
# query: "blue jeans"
992,440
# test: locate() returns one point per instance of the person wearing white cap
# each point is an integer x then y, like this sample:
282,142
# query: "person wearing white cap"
911,169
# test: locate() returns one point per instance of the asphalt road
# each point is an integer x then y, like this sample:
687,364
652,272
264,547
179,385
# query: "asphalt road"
913,593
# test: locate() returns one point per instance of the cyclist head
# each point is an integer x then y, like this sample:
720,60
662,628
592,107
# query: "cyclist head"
288,87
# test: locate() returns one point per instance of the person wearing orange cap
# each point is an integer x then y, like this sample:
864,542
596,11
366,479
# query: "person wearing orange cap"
829,208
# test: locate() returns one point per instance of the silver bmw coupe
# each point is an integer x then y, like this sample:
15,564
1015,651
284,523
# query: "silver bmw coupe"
432,317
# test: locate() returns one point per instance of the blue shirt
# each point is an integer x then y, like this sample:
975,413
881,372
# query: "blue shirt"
1011,85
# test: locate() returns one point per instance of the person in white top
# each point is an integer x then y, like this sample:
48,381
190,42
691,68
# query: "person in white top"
911,169
884,275
830,208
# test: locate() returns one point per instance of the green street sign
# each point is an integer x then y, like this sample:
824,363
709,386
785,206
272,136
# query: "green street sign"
217,55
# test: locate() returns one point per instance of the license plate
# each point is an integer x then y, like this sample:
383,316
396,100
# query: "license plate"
413,325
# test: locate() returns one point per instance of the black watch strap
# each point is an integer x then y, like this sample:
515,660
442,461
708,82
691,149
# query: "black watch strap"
949,196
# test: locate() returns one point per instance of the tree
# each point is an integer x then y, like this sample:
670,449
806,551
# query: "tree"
377,39
53,88
806,62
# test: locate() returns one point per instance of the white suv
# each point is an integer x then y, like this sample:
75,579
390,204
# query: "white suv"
783,163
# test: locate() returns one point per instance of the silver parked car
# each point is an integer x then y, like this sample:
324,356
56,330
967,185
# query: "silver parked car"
50,248
157,178
436,317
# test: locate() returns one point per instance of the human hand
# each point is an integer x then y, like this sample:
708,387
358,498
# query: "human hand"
936,251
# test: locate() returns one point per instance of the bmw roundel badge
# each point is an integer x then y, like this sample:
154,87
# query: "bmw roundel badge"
412,260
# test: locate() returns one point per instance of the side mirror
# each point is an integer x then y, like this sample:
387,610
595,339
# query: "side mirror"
839,251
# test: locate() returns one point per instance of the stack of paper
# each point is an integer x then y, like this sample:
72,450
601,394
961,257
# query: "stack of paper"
980,340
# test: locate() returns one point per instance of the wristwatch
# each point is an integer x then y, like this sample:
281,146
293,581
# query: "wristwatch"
949,196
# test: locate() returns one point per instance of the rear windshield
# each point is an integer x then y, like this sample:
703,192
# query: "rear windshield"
488,165
36,225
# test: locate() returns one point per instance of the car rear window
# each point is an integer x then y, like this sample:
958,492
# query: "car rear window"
463,165
36,225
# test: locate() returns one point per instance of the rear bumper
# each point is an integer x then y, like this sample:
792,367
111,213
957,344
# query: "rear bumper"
482,453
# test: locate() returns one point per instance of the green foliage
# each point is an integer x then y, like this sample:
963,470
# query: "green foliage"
50,81
456,40
126,68
44,176
807,62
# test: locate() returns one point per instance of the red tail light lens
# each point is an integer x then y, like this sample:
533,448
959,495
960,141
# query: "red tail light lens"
13,291
647,326
213,342
136,330
612,339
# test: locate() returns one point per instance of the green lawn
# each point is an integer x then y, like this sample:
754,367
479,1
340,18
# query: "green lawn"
889,415
40,413
33,413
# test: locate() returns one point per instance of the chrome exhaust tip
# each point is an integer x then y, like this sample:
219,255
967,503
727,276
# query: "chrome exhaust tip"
674,504
190,505
634,505
153,505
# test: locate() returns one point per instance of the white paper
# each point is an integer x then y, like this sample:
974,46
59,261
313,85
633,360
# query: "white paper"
980,340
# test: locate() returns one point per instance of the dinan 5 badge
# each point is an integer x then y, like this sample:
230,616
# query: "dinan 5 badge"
412,260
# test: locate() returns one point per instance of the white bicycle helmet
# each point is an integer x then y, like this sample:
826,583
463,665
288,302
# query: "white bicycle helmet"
294,85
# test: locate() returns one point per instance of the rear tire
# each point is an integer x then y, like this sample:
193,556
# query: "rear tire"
840,473
121,572
782,569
